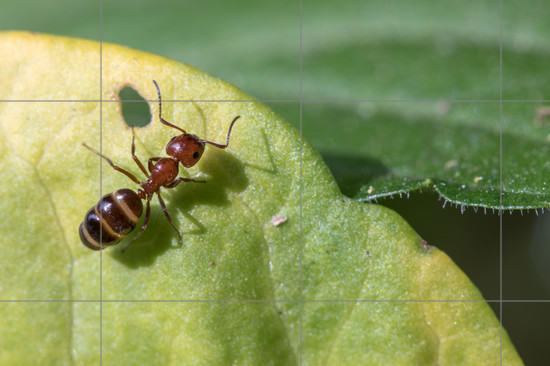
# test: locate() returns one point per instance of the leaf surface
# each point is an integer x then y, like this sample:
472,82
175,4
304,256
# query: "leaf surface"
357,287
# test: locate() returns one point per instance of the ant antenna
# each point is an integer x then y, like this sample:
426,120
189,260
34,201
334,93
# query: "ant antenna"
183,131
228,133
160,112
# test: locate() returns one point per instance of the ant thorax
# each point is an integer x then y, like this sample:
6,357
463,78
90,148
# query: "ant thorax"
163,173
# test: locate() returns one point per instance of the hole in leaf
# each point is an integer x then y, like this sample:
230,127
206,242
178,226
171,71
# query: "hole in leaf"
135,109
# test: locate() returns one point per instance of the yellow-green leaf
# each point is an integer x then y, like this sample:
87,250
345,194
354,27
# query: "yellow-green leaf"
339,282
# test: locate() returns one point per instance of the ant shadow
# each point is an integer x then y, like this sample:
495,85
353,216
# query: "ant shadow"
222,172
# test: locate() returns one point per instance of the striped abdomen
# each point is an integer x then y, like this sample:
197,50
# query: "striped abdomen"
118,211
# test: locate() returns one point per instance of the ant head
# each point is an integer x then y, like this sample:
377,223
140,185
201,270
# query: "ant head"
186,148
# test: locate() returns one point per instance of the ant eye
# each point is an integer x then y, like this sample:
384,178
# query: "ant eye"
172,139
196,155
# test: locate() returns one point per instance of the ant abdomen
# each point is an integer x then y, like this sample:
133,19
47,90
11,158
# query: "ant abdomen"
118,211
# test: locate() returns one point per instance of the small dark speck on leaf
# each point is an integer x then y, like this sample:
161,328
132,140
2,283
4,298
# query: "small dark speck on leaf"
427,247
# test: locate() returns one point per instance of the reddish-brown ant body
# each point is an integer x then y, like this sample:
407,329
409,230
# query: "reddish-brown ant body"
116,214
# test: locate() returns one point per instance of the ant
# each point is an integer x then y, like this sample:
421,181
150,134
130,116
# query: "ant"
117,214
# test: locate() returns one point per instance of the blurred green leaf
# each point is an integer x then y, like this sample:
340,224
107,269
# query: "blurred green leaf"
376,150
428,76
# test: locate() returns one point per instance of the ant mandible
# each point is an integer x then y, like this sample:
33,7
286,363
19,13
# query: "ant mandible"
117,214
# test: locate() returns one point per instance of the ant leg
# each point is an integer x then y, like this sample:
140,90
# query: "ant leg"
150,163
117,168
136,159
165,210
143,227
181,179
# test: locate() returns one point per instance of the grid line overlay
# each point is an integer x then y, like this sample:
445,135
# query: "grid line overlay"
301,189
300,102
501,187
100,180
296,101
280,301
